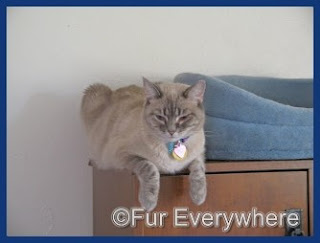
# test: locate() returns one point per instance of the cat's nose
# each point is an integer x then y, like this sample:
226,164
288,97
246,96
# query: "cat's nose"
171,132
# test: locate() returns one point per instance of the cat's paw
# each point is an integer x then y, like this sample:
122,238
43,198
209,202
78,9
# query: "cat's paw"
149,178
148,202
198,192
198,198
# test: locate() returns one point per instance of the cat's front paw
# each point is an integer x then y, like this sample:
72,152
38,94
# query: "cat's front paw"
198,198
198,191
149,178
148,200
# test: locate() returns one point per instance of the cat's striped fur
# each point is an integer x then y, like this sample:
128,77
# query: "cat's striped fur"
129,128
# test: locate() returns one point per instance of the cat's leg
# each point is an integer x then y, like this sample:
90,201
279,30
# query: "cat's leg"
149,179
197,179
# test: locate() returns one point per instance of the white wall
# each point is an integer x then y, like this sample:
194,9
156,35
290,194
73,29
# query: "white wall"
54,53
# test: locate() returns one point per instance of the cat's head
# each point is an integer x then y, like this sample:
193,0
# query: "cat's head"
174,110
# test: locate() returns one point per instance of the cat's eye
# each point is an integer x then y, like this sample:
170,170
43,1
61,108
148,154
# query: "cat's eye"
161,118
182,118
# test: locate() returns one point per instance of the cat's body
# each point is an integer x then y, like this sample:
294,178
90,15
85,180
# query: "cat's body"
124,134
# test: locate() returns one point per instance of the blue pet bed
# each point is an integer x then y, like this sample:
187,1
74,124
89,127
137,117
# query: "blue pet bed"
256,118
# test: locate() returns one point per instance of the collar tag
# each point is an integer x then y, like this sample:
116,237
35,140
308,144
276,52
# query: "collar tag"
177,149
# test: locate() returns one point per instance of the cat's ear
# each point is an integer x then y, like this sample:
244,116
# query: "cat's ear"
151,90
196,91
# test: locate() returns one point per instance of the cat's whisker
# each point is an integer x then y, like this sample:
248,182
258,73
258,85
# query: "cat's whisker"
208,136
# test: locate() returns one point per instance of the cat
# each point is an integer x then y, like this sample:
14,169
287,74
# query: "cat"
132,128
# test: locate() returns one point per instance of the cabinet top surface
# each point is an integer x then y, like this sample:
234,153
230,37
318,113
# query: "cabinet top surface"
230,166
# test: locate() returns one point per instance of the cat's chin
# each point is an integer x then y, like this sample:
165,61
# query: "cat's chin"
171,139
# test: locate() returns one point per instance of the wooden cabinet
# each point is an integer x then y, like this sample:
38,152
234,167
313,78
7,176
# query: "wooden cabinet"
232,187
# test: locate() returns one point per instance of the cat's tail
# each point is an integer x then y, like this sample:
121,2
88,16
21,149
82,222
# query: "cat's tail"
94,101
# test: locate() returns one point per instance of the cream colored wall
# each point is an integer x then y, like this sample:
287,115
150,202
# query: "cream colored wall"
54,53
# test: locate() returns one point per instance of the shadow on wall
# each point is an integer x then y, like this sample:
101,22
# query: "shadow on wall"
49,183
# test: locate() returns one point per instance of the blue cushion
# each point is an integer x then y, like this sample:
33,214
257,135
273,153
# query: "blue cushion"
256,118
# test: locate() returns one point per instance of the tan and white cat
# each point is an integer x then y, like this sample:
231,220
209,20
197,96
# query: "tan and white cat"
139,129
